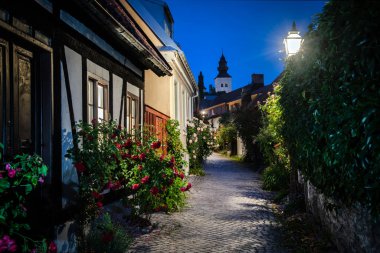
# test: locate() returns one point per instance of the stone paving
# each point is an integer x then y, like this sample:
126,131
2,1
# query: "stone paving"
227,212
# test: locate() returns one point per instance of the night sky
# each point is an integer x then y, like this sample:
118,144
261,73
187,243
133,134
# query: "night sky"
250,33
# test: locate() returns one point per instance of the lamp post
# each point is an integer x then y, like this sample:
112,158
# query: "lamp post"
293,41
203,113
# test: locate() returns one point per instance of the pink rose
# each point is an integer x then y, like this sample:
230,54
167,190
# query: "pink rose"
8,166
11,173
52,248
142,156
145,180
154,190
41,180
7,244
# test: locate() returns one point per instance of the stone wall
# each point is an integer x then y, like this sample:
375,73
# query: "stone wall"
351,228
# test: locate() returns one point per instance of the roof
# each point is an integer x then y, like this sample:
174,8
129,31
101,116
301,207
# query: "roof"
122,25
230,96
169,43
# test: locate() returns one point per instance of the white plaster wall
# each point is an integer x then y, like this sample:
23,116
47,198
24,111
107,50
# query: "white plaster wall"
219,81
98,71
69,174
116,100
133,89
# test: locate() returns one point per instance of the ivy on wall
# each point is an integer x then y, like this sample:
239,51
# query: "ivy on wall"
331,103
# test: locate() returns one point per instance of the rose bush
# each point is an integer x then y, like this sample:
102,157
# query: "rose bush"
108,158
200,143
18,179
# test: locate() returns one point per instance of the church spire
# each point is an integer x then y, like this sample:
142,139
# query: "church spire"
201,86
222,67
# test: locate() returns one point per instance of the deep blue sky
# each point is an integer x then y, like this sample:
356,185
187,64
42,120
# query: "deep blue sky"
250,32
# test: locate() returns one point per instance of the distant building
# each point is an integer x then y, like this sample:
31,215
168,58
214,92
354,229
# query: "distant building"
223,81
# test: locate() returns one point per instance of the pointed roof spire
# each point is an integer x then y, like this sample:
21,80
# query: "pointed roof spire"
222,67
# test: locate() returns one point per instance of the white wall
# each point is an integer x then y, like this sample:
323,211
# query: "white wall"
69,174
116,100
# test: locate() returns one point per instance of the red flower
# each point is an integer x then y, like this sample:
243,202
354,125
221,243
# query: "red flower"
115,186
188,186
107,237
125,156
154,190
171,181
140,167
135,187
99,204
183,189
135,157
181,175
96,195
118,145
163,175
145,180
80,167
138,143
127,143
155,145
142,156
113,136
52,248
94,121
162,157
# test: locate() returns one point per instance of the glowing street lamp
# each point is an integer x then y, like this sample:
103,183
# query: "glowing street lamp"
203,113
293,41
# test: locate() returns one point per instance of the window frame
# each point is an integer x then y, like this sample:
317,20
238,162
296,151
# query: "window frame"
130,97
97,81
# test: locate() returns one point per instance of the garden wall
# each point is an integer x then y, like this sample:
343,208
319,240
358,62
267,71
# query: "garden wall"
351,229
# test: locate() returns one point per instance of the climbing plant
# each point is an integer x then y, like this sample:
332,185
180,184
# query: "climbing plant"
330,98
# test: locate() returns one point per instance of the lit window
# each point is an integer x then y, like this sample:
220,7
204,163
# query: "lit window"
97,100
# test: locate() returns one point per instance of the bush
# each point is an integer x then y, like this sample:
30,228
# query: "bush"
330,98
107,236
110,159
226,136
17,181
200,143
277,175
275,178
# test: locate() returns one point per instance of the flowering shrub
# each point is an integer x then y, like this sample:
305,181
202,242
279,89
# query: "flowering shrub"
276,176
109,158
17,180
107,236
200,142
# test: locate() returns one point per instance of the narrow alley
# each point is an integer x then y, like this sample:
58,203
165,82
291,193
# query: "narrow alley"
227,212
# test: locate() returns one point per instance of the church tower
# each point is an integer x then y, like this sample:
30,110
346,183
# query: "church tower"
223,81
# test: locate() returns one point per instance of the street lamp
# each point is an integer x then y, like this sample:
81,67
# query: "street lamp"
293,41
203,113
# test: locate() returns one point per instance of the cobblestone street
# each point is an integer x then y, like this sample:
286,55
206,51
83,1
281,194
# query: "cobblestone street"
227,212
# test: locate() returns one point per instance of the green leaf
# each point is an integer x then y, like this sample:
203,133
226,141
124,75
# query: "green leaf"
28,188
43,170
2,219
4,184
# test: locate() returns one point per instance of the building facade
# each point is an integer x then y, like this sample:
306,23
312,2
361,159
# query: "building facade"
62,62
172,96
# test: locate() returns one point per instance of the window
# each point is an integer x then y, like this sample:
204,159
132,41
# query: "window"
221,85
97,100
226,85
132,112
